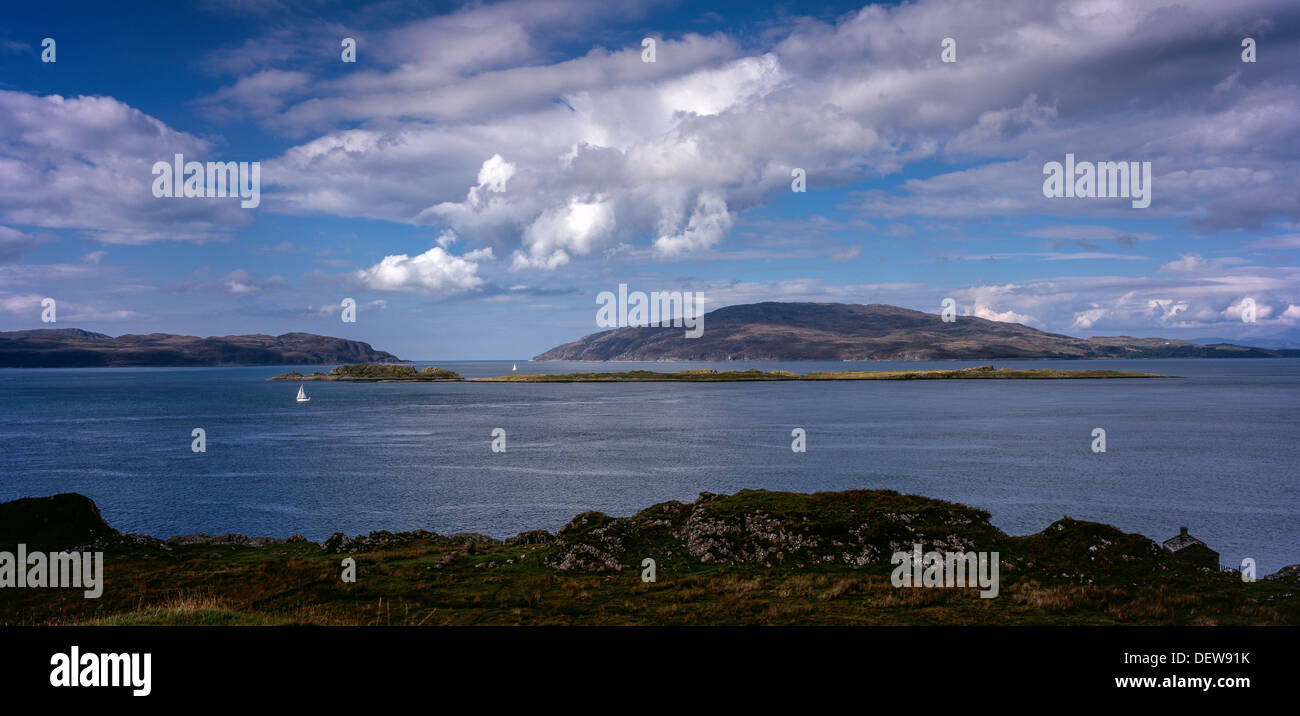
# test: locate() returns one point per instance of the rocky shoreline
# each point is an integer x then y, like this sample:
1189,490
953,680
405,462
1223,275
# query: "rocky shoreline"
751,558
856,528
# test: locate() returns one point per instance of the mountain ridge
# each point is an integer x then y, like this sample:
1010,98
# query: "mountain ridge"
781,331
78,348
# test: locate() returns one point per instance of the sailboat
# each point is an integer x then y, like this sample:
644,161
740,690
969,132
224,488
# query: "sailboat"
302,396
514,367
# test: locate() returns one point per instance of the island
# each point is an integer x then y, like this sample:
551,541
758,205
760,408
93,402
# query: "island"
724,376
77,348
384,373
781,331
375,373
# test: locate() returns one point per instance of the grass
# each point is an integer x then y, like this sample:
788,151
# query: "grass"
300,584
755,557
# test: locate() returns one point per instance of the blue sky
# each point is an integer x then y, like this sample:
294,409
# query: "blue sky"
483,171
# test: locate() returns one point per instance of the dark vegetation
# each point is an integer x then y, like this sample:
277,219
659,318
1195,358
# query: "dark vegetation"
373,373
755,557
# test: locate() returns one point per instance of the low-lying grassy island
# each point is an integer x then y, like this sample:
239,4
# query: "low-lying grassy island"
708,375
395,373
375,372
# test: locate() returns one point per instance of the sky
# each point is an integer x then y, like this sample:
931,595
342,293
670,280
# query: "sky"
483,171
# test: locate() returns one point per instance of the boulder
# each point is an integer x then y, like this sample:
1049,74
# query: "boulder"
1289,573
855,528
54,523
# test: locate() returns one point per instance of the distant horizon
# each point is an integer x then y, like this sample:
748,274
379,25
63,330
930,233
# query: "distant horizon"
1288,335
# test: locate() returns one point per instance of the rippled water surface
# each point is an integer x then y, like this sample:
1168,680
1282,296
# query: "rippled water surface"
1216,449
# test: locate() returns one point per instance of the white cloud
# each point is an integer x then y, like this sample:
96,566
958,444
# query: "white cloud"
26,303
1187,263
447,238
493,176
434,271
29,305
1002,316
260,94
577,228
1086,319
84,163
709,222
1234,310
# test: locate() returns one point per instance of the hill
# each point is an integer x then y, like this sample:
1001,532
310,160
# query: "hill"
840,331
73,347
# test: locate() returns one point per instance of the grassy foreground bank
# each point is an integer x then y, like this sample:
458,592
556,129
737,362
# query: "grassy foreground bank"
756,557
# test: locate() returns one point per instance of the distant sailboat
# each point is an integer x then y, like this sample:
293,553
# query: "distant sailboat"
514,367
302,396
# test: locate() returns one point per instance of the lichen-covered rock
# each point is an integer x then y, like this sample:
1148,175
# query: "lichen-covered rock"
383,539
202,538
855,528
1289,573
592,541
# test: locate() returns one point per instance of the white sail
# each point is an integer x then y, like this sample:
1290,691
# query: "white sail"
302,395
514,367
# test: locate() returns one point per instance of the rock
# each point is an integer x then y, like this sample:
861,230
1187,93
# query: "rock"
52,523
855,528
201,538
471,537
1291,572
336,543
1088,552
126,544
383,539
592,541
446,559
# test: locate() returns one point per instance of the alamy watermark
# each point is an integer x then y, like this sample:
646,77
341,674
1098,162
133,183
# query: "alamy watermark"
946,569
79,570
659,308
1092,180
91,669
180,179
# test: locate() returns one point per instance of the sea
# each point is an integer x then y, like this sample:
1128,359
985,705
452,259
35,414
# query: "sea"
1215,448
